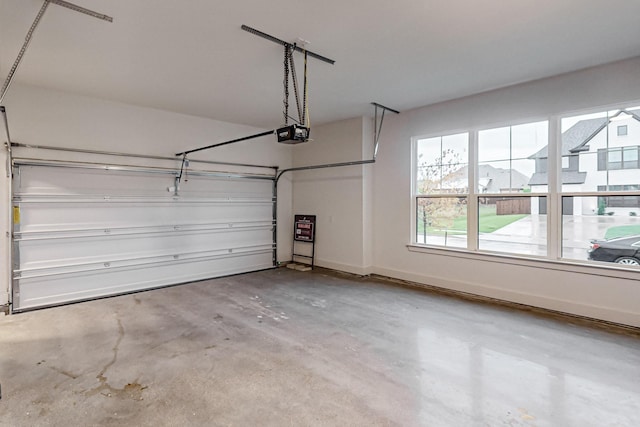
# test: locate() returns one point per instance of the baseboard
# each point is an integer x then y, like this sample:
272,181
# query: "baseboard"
347,268
606,314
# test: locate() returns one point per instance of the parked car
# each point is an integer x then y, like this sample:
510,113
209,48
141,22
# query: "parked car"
623,250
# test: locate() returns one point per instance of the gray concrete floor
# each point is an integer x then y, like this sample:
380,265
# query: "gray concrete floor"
283,347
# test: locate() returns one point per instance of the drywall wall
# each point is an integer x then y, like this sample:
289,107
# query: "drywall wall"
45,117
339,197
367,195
580,291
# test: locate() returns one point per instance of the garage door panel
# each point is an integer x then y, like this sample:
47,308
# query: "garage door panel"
55,180
88,233
46,216
46,252
203,187
63,288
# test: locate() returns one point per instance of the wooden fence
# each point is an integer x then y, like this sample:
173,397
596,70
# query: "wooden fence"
520,205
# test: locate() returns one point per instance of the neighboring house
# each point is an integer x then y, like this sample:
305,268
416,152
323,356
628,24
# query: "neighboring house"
595,152
498,180
490,180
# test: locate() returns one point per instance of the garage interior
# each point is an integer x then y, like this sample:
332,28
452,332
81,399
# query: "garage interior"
157,157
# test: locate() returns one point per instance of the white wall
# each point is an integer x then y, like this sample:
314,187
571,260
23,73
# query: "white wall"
44,117
580,291
340,197
352,237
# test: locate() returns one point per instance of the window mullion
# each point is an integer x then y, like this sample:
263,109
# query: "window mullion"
554,201
414,190
472,200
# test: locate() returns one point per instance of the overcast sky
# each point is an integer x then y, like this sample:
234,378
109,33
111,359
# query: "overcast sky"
497,146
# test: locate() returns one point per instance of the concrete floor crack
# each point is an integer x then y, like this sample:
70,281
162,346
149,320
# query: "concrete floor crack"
115,349
132,390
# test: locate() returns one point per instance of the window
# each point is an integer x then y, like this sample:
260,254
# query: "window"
622,130
582,190
618,158
442,221
442,164
606,205
498,185
619,201
614,158
441,190
508,160
630,158
506,224
507,156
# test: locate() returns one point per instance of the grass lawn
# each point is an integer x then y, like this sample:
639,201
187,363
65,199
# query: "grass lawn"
621,231
489,222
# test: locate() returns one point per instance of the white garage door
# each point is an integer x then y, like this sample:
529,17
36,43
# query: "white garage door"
83,232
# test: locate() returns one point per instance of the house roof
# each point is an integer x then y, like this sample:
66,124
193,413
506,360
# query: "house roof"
577,136
568,177
489,177
499,178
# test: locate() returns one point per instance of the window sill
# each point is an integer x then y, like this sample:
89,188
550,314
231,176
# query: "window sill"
604,270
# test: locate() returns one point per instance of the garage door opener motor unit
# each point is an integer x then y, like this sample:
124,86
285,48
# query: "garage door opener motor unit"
294,134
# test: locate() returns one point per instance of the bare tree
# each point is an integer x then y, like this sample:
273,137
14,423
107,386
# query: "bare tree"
446,175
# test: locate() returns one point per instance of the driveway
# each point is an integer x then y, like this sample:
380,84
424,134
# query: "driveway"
528,236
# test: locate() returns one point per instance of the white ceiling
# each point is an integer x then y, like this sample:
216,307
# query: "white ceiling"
192,57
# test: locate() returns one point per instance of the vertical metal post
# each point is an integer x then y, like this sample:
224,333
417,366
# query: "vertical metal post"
14,257
378,127
375,131
9,233
3,111
274,204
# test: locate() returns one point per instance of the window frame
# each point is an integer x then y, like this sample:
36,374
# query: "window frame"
473,193
622,130
606,164
414,187
554,195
